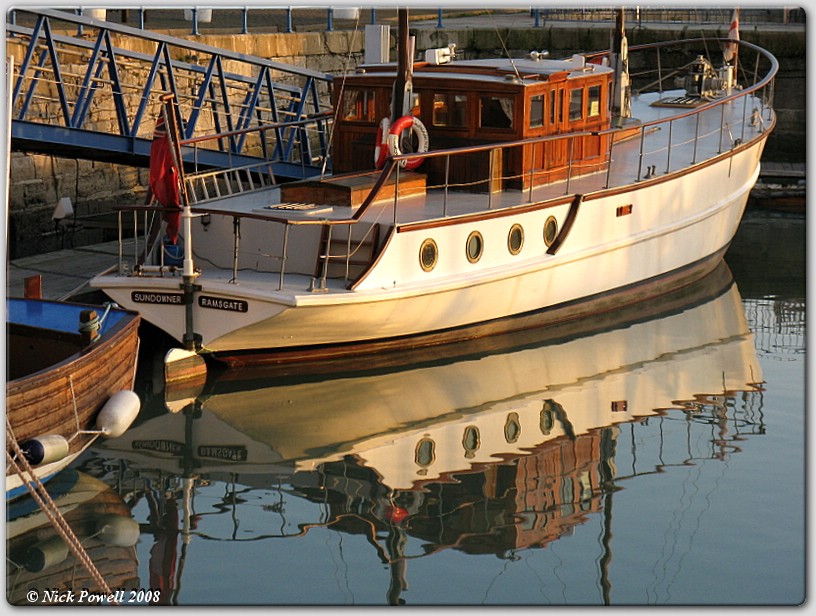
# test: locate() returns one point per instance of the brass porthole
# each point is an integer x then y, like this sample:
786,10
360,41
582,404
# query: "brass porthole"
550,230
474,246
512,428
425,453
428,255
547,417
515,239
471,441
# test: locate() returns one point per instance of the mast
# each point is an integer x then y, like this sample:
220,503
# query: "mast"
401,99
619,57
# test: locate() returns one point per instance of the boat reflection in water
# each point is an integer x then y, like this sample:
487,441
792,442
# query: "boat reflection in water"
527,430
38,558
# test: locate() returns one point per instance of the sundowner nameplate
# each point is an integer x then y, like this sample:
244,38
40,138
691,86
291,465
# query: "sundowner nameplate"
220,303
146,297
159,445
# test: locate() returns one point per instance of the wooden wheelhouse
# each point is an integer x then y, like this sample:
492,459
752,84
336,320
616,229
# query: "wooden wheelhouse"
481,102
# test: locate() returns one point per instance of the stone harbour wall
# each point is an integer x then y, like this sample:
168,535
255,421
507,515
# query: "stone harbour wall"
37,182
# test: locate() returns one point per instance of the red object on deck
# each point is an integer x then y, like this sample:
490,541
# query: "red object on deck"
33,287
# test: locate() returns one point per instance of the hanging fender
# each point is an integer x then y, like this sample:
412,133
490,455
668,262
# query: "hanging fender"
381,146
403,124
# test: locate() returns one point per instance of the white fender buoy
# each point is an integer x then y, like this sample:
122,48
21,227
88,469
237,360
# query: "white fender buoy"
117,530
46,554
118,413
45,449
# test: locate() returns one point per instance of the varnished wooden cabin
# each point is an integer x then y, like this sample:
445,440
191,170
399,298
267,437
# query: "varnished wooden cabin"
478,102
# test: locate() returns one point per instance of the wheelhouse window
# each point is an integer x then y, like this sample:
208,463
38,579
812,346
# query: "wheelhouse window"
449,109
576,104
594,101
360,106
555,108
537,111
496,112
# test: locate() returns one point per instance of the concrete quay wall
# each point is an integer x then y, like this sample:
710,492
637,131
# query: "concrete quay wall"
37,181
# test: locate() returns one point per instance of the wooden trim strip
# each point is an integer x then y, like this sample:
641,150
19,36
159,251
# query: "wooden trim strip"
568,222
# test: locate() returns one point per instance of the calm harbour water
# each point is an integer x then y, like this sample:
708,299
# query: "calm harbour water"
653,458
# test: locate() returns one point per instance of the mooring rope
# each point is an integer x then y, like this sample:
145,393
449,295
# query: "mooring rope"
46,503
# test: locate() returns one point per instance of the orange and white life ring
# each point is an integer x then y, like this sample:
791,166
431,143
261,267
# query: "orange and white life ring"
397,128
380,147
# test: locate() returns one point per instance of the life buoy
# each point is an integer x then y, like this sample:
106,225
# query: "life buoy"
403,124
380,147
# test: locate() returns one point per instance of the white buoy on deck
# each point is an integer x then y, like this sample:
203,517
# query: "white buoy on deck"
118,413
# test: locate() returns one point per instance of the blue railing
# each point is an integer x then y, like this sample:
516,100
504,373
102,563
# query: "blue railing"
288,19
87,96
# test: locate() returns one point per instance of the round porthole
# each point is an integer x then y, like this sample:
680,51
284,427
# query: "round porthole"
471,441
512,428
550,230
474,246
515,239
428,255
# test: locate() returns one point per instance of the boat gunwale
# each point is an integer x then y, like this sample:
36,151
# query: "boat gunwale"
123,328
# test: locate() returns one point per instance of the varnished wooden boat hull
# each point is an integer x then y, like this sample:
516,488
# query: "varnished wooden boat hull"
66,397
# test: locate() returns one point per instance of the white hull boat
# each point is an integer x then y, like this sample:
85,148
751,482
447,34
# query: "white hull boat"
528,189
434,417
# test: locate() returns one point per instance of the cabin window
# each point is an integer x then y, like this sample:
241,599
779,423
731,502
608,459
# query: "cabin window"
594,101
449,110
496,112
474,247
550,230
553,106
576,104
428,254
425,452
415,106
360,106
537,111
515,239
512,428
471,441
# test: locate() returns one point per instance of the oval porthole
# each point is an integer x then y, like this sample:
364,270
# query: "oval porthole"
425,453
471,441
512,428
474,246
428,255
547,420
550,230
515,239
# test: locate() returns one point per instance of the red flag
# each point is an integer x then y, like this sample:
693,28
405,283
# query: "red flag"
164,178
730,51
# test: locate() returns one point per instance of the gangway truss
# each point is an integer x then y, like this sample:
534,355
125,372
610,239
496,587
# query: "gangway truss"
87,88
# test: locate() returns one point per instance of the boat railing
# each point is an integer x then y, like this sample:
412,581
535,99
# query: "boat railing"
719,125
252,155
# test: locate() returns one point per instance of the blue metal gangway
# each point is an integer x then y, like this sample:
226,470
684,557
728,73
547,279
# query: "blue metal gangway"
82,90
